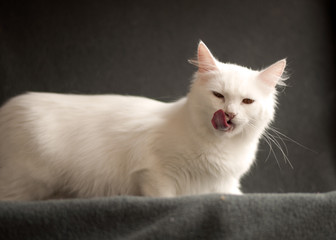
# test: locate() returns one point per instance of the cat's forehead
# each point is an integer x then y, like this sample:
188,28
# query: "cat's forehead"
235,79
236,73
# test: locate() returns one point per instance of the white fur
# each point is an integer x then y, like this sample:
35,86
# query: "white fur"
85,146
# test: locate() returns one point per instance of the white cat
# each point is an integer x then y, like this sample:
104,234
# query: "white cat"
86,146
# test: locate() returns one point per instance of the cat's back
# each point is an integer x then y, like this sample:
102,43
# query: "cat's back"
52,101
51,117
40,105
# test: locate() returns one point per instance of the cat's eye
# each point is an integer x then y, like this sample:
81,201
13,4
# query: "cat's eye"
248,101
218,95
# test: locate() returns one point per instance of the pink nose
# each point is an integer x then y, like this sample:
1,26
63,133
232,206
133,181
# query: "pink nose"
230,115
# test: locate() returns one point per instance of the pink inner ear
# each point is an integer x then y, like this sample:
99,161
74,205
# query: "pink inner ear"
273,73
206,62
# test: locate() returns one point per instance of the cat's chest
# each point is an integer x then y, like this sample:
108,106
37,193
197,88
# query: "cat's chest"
215,161
196,158
220,161
204,172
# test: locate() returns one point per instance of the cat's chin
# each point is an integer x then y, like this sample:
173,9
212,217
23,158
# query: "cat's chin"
227,129
228,132
234,130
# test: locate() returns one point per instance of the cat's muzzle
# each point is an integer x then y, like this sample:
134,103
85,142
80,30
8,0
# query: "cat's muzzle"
220,121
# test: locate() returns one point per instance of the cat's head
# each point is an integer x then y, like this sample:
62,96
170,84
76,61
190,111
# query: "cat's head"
228,100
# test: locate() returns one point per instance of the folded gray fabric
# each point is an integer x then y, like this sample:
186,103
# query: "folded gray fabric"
251,216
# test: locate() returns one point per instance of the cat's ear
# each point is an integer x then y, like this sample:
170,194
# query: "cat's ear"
205,61
273,75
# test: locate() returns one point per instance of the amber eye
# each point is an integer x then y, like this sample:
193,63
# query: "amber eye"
248,101
218,95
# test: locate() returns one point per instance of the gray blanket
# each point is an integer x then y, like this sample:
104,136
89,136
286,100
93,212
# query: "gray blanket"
251,216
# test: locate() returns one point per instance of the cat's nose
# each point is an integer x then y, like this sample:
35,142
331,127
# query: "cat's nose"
230,115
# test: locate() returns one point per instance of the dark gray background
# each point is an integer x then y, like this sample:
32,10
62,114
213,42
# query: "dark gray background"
142,47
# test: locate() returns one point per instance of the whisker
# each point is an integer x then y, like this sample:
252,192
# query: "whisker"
282,140
285,137
270,147
268,140
278,145
271,139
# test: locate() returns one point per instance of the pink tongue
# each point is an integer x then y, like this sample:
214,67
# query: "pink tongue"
219,122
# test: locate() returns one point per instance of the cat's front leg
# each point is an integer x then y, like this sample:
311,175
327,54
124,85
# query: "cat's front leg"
153,184
231,186
158,191
236,191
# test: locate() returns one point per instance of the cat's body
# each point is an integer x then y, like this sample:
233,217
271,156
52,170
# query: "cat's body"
105,145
